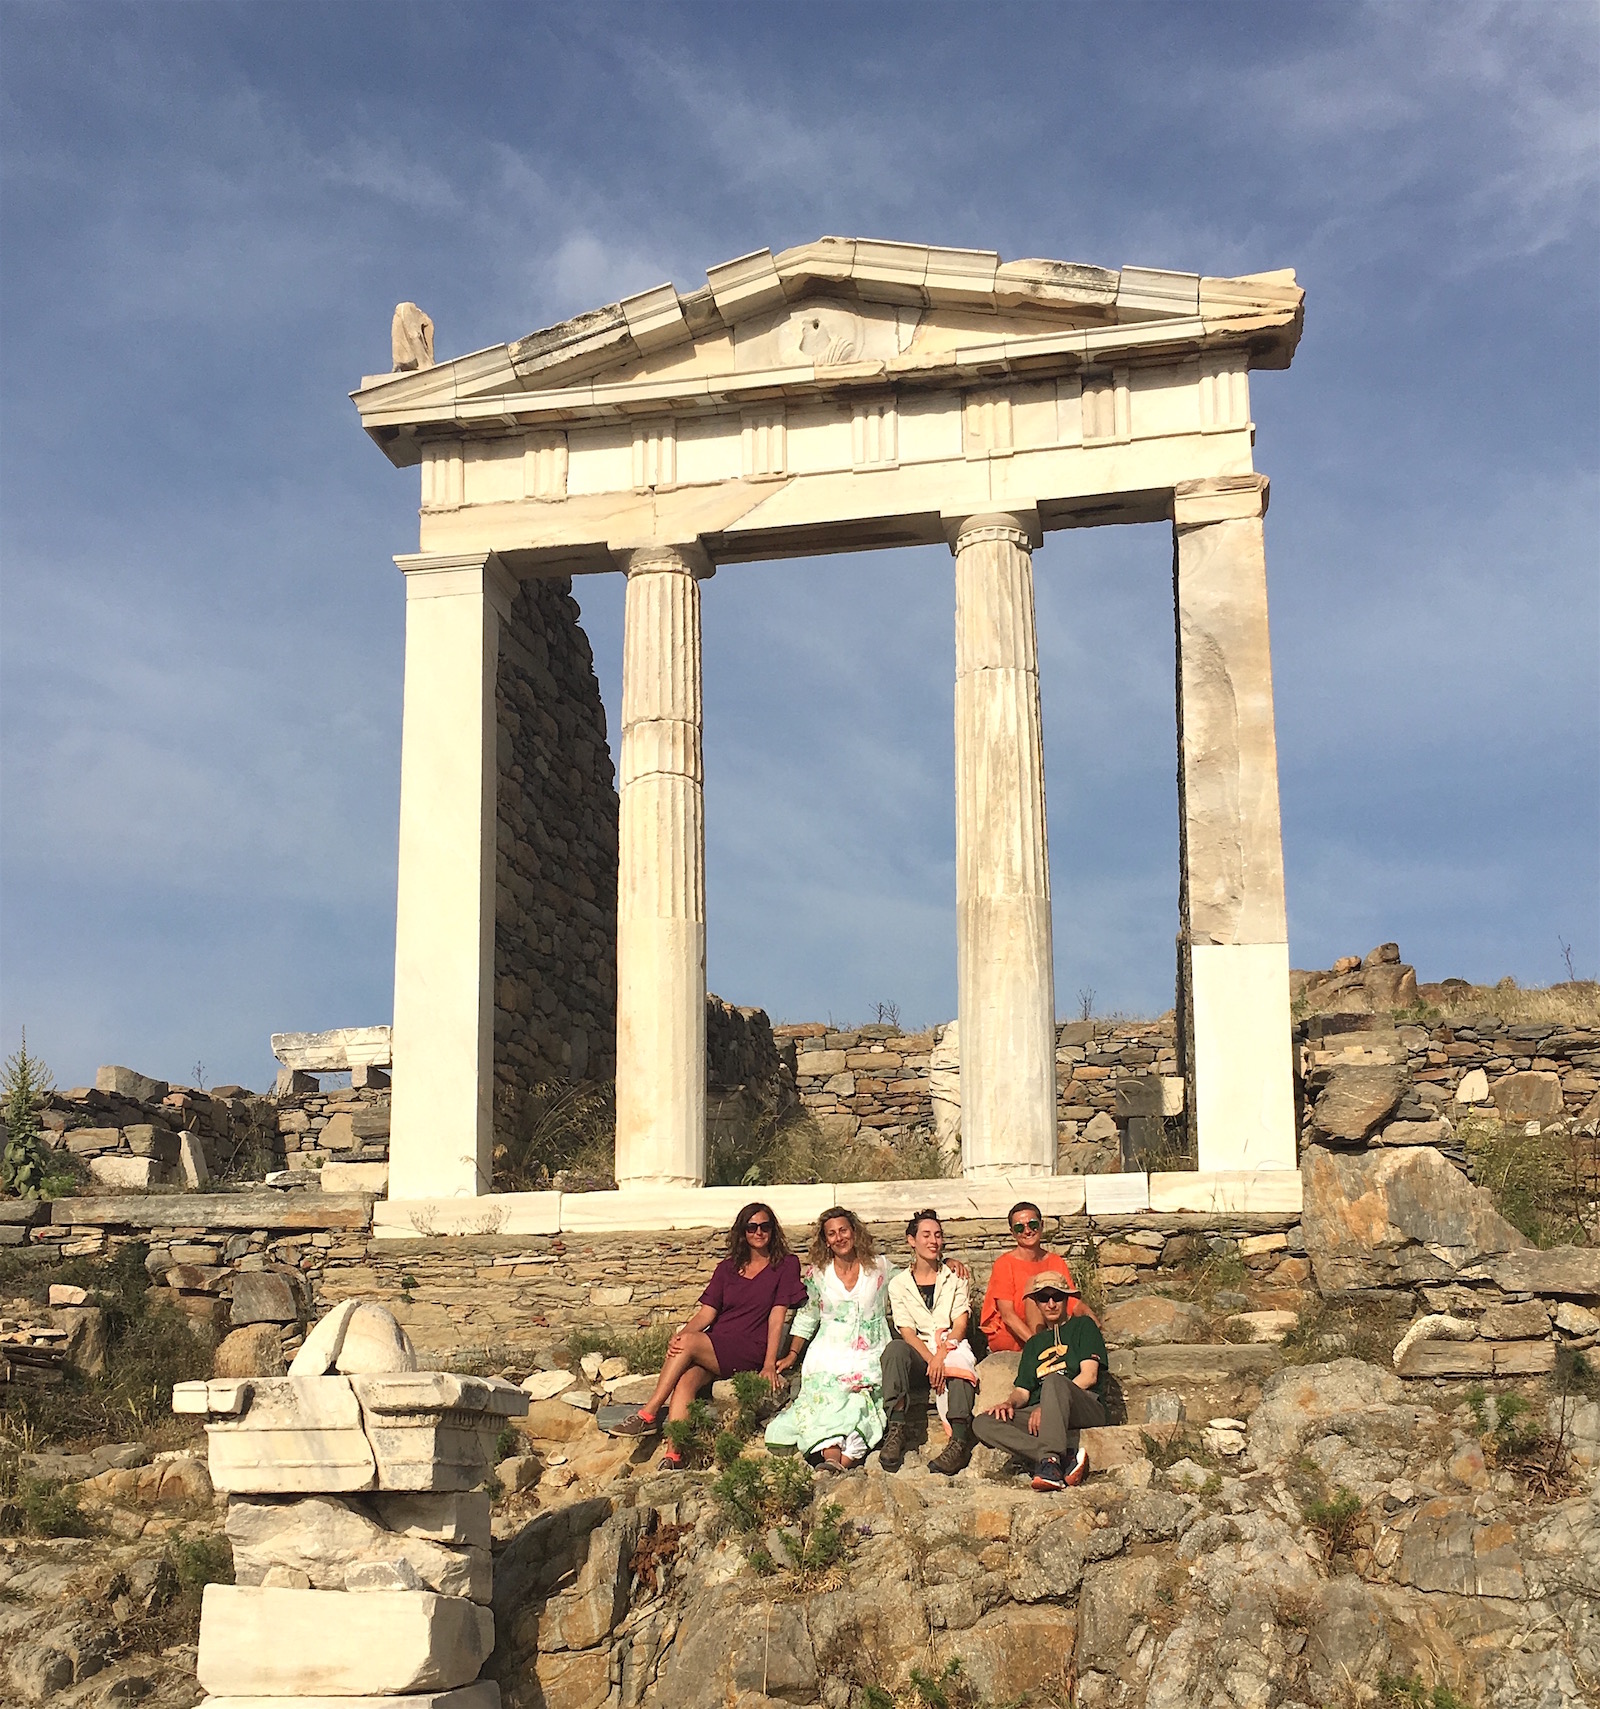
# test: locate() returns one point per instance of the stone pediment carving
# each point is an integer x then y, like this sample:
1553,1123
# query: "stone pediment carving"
833,315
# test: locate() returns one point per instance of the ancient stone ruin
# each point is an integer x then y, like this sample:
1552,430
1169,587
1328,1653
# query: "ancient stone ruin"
845,394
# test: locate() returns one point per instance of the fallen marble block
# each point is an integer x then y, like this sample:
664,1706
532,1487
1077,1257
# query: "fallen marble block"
307,1643
293,1434
485,1694
433,1430
355,1338
446,1516
338,1545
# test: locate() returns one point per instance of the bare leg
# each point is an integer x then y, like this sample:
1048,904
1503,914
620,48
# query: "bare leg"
697,1353
688,1386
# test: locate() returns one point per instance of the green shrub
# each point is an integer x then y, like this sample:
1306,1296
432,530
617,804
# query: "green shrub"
37,1507
1544,1184
644,1349
1408,1689
25,1165
1335,1519
693,1437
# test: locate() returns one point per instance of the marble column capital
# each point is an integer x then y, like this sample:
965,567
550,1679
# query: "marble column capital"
1020,527
438,575
1219,498
677,558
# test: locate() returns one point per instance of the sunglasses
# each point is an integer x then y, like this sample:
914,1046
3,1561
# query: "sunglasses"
1060,1299
1026,1225
758,1228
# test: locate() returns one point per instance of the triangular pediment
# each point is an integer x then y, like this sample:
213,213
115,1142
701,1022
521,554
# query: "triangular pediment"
837,313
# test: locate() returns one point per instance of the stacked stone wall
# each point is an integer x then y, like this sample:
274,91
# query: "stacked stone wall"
907,1086
556,867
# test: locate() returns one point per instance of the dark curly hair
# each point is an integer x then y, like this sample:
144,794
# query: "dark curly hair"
739,1241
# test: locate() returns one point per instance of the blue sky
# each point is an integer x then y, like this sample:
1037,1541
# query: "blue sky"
210,211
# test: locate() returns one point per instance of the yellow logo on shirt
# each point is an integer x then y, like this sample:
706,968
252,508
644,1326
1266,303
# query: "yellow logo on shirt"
1056,1358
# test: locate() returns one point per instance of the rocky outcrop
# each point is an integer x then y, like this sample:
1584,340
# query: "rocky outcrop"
1396,1218
1368,985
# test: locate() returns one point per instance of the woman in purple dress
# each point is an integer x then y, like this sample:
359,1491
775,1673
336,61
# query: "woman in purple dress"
738,1325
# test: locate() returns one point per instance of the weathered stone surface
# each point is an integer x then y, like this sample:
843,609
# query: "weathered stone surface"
255,1351
259,1296
729,1643
546,1385
584,1616
125,1173
1152,1322
1523,1321
1436,1326
86,1337
1474,1087
328,1052
1478,1359
1114,1599
1413,1133
453,1516
1572,1272
1576,1319
298,1433
326,1537
1264,1325
338,1177
145,1139
1358,1099
192,1162
127,1083
355,1338
1048,1552
1448,1548
433,1431
1011,1652
1534,1095
482,1694
1198,1361
1395,1217
273,1213
302,1643
1344,1395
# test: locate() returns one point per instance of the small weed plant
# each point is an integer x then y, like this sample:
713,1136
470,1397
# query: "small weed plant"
950,1688
694,1437
770,1497
1407,1691
37,1507
1515,1439
644,1349
1334,1519
171,1613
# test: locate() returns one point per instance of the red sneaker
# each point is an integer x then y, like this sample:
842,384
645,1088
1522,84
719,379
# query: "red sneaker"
1078,1470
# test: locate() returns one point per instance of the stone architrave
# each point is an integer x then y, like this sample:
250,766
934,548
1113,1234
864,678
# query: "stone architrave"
661,897
1233,930
1004,970
433,1431
444,921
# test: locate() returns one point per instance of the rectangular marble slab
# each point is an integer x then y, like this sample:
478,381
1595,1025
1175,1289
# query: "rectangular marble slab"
484,1694
446,1516
298,1435
1264,1190
688,1207
336,1643
1116,1195
493,1213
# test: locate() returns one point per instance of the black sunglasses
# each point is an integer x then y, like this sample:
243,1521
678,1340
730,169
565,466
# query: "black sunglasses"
1051,1294
758,1228
1026,1225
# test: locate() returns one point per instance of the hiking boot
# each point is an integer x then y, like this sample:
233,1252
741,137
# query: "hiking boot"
1048,1473
954,1457
1078,1470
640,1423
892,1452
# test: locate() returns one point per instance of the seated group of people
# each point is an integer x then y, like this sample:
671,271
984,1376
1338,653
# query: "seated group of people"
869,1338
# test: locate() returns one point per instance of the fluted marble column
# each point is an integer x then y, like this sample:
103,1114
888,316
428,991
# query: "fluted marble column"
1004,969
1233,968
661,891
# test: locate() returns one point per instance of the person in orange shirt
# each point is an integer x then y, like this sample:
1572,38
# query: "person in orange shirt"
1009,1317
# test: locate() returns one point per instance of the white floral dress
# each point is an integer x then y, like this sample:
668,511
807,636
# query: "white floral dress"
841,1381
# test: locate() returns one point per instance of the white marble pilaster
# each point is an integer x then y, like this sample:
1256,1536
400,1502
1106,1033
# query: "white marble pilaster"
1004,967
661,899
442,1117
1233,938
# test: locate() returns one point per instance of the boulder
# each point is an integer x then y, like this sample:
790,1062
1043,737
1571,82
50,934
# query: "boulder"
124,1173
1572,1272
1524,1321
86,1337
1357,1099
1152,1322
732,1642
260,1296
1263,1325
257,1641
255,1351
1474,1088
1340,1397
126,1083
355,1339
1531,1096
328,1538
587,1614
1395,1218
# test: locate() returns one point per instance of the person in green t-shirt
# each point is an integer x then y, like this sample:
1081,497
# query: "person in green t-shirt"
1060,1390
